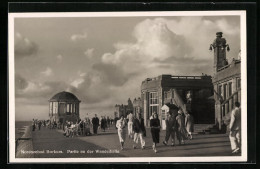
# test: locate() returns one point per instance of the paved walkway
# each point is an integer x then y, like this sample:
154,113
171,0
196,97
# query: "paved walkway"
108,145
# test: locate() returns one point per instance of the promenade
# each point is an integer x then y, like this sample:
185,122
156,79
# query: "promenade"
106,144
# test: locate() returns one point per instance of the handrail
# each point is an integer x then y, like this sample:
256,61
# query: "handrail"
219,96
224,67
230,97
179,102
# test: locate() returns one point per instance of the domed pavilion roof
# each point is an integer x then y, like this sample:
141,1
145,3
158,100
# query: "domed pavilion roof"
65,96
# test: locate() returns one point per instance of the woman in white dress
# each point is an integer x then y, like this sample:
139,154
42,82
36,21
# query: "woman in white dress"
121,124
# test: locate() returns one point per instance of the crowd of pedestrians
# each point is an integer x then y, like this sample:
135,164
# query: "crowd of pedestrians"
37,124
178,126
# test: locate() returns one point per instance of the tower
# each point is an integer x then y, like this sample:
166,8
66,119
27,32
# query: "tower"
219,45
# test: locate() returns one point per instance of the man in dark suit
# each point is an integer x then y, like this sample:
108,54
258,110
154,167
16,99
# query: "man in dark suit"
95,123
139,130
171,126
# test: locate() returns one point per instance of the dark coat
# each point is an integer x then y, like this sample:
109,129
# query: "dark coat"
155,130
103,123
171,123
138,126
95,121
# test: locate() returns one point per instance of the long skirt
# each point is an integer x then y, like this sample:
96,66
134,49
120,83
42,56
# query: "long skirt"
155,135
121,135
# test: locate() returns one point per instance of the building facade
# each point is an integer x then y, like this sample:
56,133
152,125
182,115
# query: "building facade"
123,109
189,93
226,80
64,106
137,106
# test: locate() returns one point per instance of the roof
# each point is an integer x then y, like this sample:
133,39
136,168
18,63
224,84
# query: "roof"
64,96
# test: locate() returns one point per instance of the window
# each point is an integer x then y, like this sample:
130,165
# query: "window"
68,109
225,92
71,108
153,103
229,89
220,90
238,83
55,107
50,108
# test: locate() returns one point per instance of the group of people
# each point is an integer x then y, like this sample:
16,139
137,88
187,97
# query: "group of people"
177,124
136,129
104,123
81,127
38,124
180,125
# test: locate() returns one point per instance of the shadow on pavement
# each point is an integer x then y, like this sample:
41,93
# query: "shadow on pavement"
54,140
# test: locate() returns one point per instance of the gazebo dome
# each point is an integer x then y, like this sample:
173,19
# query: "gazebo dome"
64,96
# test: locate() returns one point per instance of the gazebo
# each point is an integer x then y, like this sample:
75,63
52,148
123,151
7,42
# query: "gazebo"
64,106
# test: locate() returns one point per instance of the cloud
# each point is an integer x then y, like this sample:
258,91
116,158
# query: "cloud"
226,27
155,43
172,46
59,57
47,72
20,83
27,89
24,47
89,53
112,74
76,37
158,46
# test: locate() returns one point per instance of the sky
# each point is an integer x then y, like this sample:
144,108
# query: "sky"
103,60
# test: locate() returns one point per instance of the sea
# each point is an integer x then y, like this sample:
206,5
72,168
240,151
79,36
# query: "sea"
20,127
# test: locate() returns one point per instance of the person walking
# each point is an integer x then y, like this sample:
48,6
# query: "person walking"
39,125
108,123
115,120
33,125
235,129
155,130
171,127
130,118
189,124
103,123
95,123
139,130
121,124
182,132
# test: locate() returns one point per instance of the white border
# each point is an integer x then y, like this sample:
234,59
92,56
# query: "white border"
241,158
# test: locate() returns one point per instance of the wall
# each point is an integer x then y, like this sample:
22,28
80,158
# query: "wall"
25,145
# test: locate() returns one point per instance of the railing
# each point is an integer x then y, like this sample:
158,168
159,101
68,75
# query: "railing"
229,104
178,101
227,66
224,67
191,77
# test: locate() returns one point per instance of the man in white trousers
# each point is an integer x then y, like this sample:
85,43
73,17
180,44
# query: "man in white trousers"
139,130
130,118
235,129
